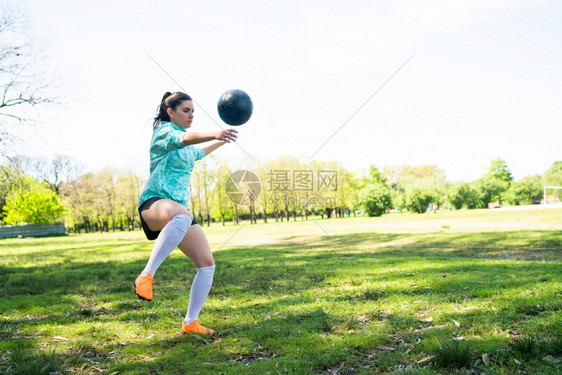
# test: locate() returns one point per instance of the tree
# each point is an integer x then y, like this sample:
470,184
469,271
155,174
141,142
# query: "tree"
347,184
35,204
206,179
79,203
11,179
274,187
553,176
279,182
334,187
91,201
222,208
462,194
54,171
411,183
418,199
195,198
375,198
265,193
127,198
489,190
525,191
104,199
375,176
22,81
499,170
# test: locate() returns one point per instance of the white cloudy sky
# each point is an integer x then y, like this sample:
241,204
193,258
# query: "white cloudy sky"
485,79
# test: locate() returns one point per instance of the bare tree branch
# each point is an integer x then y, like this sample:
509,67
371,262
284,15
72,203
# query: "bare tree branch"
22,80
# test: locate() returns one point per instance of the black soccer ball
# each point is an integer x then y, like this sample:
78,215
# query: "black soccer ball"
235,107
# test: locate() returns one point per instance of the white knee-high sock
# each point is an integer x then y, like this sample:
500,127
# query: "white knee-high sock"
170,237
199,292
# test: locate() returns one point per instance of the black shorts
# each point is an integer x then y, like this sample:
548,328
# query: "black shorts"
150,234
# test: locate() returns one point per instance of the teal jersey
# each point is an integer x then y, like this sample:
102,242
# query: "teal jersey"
171,163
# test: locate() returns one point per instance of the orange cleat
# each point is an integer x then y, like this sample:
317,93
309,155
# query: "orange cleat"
143,287
196,327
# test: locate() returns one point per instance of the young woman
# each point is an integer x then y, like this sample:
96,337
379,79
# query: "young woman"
163,209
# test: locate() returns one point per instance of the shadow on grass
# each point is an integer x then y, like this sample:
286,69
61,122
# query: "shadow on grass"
287,278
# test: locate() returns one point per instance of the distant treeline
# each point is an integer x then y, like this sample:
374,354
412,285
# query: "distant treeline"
34,190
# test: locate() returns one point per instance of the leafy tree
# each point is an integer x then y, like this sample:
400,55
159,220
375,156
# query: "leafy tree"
128,189
196,196
375,176
392,176
489,190
398,199
91,201
499,170
79,204
222,207
104,198
553,176
35,204
283,168
526,191
462,194
347,184
206,177
418,199
410,181
376,198
11,179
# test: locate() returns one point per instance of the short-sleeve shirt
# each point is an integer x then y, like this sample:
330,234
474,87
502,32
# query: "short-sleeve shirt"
171,163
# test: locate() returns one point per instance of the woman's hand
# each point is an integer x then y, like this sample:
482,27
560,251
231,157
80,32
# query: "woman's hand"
227,135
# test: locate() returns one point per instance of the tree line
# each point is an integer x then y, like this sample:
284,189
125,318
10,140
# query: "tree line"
425,188
41,190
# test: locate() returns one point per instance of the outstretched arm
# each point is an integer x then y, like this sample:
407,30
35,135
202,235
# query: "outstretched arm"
228,135
212,147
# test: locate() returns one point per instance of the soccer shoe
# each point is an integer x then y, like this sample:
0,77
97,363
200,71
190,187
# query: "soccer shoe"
143,287
196,327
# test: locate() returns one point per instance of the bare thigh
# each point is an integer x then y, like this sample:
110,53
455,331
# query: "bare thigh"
161,213
196,247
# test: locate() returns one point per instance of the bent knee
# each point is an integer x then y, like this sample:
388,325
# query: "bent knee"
206,262
210,262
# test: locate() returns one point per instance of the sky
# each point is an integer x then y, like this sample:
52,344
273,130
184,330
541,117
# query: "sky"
483,80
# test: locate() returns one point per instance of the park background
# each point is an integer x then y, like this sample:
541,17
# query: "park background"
45,191
427,113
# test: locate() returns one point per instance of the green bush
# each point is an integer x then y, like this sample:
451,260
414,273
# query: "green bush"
34,204
375,198
525,191
418,199
461,195
489,190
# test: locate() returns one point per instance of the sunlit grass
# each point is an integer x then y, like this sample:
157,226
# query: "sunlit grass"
418,293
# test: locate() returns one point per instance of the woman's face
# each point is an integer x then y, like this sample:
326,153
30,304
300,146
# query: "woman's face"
182,116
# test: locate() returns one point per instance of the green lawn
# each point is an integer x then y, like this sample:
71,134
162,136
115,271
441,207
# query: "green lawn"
464,291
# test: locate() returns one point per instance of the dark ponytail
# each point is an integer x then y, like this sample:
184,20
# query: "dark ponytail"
169,100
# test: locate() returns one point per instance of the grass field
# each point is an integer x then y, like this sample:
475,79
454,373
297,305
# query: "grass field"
452,292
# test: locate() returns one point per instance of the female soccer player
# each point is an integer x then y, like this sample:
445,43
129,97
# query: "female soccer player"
163,209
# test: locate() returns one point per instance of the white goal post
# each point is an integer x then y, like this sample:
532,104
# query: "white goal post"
554,188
